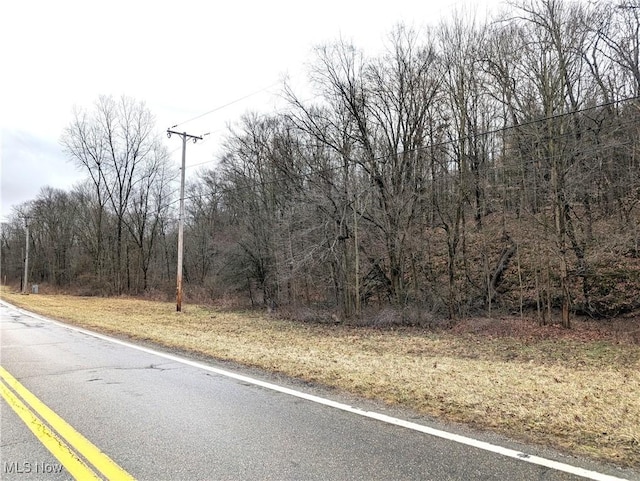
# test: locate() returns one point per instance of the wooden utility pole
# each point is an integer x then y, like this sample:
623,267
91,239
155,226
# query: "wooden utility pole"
26,256
184,137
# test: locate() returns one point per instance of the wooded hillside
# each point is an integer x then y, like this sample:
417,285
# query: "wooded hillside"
472,166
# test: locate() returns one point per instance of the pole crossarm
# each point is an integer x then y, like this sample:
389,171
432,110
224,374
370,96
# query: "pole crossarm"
184,135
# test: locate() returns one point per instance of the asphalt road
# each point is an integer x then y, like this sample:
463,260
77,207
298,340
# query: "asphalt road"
159,418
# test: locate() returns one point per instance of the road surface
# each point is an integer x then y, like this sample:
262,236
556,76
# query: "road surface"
126,412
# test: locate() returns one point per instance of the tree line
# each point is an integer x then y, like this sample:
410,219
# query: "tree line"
470,166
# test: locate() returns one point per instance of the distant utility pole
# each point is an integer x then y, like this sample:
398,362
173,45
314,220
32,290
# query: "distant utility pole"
26,256
195,138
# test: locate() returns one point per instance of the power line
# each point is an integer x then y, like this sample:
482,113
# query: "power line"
201,163
226,105
258,116
487,133
506,128
318,172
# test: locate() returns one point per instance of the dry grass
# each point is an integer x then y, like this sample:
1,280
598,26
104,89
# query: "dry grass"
581,395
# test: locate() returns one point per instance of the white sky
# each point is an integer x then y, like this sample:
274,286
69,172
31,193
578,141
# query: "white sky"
181,58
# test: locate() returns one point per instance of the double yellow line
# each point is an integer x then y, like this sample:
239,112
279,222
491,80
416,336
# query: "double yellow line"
82,459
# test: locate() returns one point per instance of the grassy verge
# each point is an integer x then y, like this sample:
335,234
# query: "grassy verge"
578,394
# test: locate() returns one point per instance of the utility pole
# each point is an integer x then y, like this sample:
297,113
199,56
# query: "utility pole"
26,256
184,137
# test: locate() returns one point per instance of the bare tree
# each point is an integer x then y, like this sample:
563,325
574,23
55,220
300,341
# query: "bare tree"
112,143
53,223
147,209
376,120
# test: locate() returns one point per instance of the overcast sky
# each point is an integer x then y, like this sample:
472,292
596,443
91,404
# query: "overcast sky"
181,58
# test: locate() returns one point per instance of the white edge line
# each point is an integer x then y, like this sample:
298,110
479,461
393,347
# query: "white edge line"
457,438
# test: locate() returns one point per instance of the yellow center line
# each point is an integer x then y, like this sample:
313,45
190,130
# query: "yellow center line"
103,463
76,467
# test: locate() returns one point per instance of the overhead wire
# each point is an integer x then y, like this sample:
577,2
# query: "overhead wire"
258,116
443,143
228,104
436,145
253,184
218,108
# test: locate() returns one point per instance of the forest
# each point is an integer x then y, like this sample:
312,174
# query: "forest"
470,167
